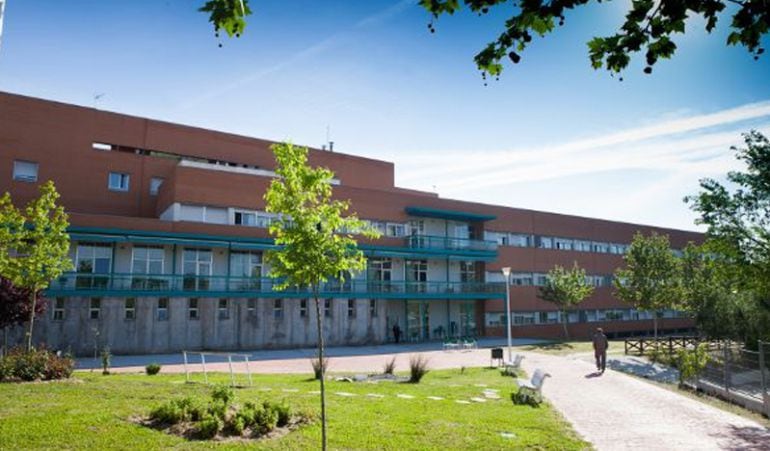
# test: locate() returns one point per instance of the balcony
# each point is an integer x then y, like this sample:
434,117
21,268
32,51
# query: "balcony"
168,285
449,243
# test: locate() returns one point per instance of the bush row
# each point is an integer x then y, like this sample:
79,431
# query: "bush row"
37,364
221,416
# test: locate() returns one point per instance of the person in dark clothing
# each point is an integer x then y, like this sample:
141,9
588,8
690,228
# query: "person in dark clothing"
600,349
396,332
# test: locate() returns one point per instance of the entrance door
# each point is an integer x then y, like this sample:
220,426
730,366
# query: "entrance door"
417,321
468,319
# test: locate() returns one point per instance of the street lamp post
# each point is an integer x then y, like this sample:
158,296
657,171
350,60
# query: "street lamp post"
507,274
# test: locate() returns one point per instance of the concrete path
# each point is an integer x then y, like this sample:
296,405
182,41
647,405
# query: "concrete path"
615,411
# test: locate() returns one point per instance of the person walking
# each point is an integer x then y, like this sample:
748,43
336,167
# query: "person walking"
600,349
396,333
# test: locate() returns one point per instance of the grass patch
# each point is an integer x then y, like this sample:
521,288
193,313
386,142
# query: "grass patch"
97,413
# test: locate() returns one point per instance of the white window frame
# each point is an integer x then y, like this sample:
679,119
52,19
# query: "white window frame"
121,186
163,312
94,312
245,213
155,184
303,308
223,313
129,312
193,309
251,307
147,262
278,308
351,308
58,309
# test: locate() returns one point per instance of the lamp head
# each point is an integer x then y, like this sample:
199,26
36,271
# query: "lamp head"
506,271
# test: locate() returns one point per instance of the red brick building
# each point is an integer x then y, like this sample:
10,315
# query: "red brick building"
168,227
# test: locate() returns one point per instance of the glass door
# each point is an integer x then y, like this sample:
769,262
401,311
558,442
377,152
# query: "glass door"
417,321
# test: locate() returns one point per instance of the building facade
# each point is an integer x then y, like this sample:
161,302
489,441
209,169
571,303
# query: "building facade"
168,229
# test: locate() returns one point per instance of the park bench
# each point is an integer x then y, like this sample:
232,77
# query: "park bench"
510,366
533,386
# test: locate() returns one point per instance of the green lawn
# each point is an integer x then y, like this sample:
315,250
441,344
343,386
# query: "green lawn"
571,347
94,411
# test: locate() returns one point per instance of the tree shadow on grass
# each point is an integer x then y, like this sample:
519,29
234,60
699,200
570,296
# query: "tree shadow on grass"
745,438
557,346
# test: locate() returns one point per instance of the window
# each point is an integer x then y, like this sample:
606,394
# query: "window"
327,308
467,272
246,264
155,183
523,318
163,309
118,181
518,240
147,260
94,258
129,309
380,269
245,218
223,309
278,308
192,308
395,229
251,308
351,308
196,264
601,247
416,270
25,171
58,309
563,244
94,308
545,242
521,279
303,308
373,308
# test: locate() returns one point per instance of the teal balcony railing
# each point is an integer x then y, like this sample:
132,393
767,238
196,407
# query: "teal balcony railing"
449,243
87,284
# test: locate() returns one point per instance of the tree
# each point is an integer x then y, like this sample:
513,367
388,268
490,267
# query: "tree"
37,247
14,306
651,278
738,236
649,27
313,232
565,288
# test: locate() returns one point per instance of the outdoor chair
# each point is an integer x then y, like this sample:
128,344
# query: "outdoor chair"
469,343
451,344
533,386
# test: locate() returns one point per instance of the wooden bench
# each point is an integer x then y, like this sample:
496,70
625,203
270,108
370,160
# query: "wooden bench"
510,366
534,385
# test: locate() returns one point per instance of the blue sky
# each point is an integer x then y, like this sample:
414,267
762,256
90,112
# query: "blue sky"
552,134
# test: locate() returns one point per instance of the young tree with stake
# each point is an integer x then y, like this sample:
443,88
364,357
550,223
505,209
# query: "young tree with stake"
313,233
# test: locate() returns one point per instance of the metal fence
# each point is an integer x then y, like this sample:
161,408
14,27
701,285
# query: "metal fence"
739,375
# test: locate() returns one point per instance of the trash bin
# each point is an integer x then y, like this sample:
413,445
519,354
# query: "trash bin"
497,354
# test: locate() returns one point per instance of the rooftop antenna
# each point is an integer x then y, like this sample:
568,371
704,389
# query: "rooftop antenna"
329,142
97,97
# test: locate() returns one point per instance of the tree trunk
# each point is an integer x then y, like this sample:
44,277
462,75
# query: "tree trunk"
321,363
33,302
655,326
564,320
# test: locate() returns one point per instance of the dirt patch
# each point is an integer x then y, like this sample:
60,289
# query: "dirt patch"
189,430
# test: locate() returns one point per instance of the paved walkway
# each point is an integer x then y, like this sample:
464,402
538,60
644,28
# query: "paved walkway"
615,411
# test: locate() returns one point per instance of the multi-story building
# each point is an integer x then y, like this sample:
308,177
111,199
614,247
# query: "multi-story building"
168,229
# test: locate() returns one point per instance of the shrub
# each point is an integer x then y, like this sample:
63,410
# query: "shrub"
152,369
217,409
265,419
235,425
223,394
390,366
283,413
106,359
208,427
317,366
692,362
168,413
19,364
418,367
526,397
